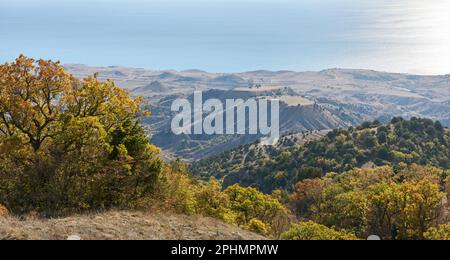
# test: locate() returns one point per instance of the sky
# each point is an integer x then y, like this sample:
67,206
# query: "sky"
410,36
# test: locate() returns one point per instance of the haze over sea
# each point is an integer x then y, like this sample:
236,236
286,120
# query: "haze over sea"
232,35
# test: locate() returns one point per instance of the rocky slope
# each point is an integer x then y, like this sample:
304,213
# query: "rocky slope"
123,226
297,114
330,98
383,92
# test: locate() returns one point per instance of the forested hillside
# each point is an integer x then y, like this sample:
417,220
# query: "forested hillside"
249,156
402,202
420,141
71,147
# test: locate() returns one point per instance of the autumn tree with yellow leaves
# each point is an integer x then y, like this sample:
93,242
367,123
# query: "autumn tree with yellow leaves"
403,202
67,144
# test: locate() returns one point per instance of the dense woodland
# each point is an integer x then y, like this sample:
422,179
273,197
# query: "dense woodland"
77,146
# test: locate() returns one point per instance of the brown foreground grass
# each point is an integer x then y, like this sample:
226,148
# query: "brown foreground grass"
118,225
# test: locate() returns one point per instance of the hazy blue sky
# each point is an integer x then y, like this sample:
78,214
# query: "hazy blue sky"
232,35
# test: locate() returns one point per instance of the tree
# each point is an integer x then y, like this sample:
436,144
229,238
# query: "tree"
402,141
384,208
249,203
69,144
307,193
313,231
442,232
30,103
211,201
422,206
395,203
344,210
368,140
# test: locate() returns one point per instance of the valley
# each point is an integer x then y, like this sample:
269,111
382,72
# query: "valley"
186,121
87,146
329,99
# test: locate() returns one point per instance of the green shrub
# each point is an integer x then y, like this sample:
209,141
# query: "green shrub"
250,204
441,232
313,231
257,226
212,202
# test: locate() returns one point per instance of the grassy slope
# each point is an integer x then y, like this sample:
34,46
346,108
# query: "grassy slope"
123,226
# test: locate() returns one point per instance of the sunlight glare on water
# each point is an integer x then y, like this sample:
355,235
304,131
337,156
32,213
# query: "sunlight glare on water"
230,35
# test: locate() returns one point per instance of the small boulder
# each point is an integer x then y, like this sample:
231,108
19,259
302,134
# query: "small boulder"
374,238
73,238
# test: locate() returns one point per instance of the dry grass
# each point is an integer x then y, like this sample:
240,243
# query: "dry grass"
123,226
296,101
3,211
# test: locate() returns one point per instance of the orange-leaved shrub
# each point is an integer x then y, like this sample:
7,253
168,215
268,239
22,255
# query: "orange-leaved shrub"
3,211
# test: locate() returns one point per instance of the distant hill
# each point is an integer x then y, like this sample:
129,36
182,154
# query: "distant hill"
151,88
367,94
420,141
229,80
297,114
344,97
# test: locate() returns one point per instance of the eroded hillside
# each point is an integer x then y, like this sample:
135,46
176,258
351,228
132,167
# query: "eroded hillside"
326,99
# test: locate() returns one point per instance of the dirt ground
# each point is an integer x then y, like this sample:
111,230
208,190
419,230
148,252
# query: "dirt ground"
123,226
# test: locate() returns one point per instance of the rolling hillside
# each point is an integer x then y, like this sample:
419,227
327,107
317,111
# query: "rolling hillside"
297,114
330,98
418,141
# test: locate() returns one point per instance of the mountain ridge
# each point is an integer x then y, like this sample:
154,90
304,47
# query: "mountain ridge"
353,96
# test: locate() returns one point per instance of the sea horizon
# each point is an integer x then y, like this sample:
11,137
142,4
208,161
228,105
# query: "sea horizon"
232,36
